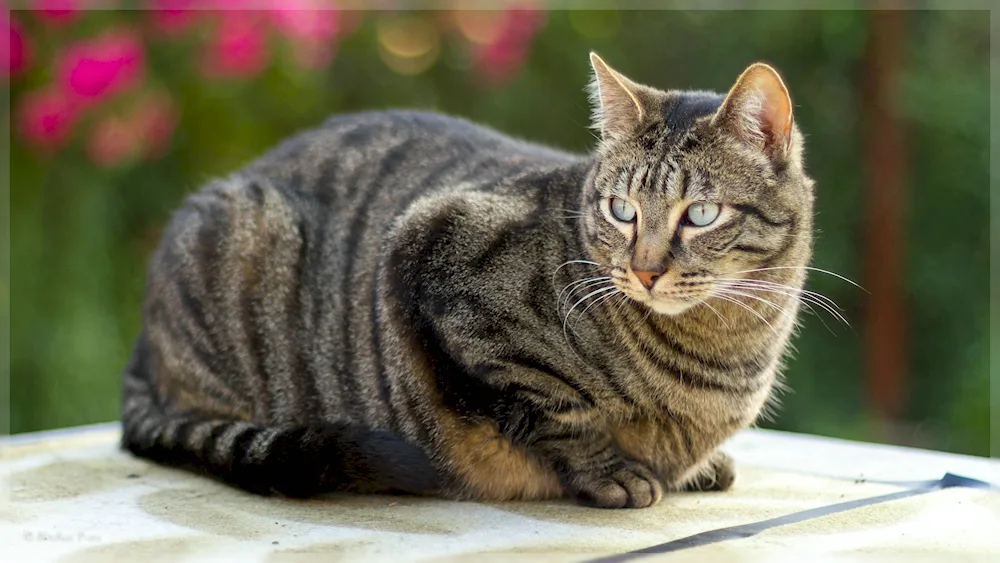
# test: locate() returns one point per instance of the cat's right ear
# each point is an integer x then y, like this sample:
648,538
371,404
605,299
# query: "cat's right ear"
758,111
618,103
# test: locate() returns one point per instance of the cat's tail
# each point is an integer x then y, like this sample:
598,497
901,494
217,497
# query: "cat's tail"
296,461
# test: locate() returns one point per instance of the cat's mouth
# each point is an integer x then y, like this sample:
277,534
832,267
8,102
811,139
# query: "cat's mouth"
668,295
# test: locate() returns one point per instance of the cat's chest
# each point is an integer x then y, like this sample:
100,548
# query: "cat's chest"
682,435
707,410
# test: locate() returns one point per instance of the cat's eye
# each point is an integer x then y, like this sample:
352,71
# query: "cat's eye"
702,213
622,210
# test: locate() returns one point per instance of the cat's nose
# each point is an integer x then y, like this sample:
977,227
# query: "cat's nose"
646,277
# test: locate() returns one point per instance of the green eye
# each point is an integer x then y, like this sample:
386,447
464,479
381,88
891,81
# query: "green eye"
702,213
622,210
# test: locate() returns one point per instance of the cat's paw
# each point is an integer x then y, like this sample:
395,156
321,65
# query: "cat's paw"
625,485
718,475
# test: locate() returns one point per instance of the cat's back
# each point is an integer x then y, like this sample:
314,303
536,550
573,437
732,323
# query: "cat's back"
398,152
273,269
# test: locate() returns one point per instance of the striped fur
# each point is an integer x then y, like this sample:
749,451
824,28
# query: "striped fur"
378,305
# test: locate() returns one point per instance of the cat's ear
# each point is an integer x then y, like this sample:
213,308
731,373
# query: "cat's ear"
618,104
758,110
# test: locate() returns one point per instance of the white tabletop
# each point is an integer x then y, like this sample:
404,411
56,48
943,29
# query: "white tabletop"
72,495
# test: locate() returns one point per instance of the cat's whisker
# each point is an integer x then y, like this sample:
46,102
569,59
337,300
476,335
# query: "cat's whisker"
581,300
580,285
569,215
622,302
589,295
568,262
804,296
818,316
809,268
808,301
781,310
804,302
769,303
717,313
568,211
727,295
600,299
769,283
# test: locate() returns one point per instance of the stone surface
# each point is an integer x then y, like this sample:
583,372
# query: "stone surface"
72,496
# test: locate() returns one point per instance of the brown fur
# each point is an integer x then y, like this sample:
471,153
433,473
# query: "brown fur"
489,467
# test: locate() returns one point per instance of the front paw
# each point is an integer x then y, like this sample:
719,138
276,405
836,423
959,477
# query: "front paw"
624,485
717,475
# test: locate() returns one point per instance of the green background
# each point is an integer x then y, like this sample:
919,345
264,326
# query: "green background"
80,235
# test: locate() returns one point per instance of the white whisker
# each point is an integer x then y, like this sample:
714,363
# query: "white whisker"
725,296
582,285
801,300
600,299
622,302
781,310
804,296
568,262
761,299
568,211
810,268
769,283
577,304
578,282
717,313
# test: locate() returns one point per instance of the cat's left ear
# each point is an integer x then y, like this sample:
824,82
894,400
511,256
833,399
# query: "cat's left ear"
758,111
619,105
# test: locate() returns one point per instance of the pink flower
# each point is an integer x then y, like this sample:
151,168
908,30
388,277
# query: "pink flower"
156,119
100,68
238,47
172,17
57,12
305,20
311,30
113,141
14,53
145,132
46,118
502,58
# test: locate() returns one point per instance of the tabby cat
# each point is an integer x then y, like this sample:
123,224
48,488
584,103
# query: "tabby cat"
405,302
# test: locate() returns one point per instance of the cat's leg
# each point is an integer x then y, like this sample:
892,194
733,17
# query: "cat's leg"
566,431
684,458
595,472
717,475
539,448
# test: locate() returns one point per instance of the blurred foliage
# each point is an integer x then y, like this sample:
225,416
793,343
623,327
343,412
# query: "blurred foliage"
80,234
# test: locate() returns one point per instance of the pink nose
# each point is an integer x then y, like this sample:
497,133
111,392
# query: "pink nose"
647,278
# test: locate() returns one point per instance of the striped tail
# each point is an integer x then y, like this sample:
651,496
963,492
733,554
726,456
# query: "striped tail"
295,461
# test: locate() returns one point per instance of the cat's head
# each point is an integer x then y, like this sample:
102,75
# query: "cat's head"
690,189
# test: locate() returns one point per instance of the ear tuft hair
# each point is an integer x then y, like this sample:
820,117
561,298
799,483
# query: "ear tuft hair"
618,105
758,111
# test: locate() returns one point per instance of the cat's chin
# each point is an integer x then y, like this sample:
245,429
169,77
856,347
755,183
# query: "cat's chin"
670,307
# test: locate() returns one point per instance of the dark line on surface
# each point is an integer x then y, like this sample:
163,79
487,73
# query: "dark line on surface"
748,530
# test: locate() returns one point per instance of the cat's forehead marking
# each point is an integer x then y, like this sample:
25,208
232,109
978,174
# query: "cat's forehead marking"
665,178
697,186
